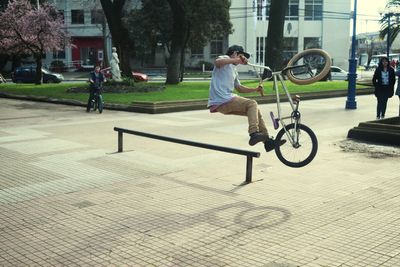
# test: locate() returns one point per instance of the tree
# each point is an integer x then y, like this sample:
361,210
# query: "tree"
194,22
24,30
150,27
179,37
274,46
394,24
177,25
115,13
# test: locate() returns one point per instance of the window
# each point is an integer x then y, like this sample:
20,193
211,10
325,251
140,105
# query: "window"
216,47
97,16
263,9
292,12
259,9
289,49
59,54
77,16
197,52
260,49
312,42
313,10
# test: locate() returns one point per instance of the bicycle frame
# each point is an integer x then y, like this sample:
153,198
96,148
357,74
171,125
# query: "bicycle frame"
295,114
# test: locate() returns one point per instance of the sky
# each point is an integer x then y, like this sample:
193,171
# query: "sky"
368,15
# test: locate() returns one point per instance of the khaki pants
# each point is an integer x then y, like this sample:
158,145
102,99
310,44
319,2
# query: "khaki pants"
245,107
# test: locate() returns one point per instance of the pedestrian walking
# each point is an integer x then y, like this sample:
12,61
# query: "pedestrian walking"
384,79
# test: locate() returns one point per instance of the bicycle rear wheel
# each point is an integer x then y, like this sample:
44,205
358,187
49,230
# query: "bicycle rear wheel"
311,65
100,103
302,151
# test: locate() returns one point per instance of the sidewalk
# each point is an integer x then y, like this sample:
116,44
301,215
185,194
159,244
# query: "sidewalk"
68,199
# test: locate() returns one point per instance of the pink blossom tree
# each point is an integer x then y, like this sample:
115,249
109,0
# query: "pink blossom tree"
25,30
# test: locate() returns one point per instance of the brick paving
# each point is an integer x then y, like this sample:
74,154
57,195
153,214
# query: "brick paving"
68,199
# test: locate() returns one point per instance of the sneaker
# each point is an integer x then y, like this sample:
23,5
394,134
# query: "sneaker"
256,138
270,144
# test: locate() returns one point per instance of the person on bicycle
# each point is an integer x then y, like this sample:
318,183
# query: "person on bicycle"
96,80
222,99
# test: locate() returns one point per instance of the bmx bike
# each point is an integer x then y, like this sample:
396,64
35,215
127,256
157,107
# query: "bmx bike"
306,67
96,102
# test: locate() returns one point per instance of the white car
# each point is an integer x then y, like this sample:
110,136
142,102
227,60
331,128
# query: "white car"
338,74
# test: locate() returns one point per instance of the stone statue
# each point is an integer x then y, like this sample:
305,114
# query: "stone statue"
114,63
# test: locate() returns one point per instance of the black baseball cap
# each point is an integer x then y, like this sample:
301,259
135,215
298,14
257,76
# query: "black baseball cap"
237,48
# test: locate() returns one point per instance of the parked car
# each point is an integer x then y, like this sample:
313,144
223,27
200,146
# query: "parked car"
28,74
338,74
137,76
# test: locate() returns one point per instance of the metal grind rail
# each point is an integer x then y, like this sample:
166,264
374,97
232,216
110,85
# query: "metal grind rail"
249,154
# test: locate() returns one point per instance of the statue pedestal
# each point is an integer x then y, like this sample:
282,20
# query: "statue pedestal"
385,131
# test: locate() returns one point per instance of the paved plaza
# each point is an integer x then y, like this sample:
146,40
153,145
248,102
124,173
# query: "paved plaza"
67,198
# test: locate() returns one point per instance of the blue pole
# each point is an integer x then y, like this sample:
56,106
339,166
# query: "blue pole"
351,92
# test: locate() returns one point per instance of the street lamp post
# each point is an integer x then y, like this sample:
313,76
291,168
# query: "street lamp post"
351,92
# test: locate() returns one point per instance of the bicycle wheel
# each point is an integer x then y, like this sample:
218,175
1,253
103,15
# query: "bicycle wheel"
310,66
100,103
300,153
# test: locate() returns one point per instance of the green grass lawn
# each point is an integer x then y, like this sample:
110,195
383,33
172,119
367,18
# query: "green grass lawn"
182,91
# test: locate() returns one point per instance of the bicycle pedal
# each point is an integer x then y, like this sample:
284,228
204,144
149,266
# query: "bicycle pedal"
274,120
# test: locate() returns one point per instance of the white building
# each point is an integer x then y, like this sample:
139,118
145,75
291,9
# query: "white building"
309,24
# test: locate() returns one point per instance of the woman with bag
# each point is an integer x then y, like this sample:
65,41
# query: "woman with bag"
383,80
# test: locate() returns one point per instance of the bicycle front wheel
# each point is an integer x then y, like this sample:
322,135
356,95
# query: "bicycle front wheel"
310,66
299,151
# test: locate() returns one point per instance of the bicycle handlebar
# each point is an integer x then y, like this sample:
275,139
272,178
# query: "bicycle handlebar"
282,71
259,66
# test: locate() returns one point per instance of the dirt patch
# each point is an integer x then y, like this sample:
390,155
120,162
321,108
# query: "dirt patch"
369,149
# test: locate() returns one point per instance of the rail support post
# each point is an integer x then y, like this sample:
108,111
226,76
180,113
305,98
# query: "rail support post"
249,168
120,141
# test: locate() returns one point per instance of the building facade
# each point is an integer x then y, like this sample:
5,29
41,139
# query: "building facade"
309,24
84,22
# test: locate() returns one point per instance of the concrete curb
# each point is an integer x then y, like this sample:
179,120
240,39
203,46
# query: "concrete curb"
176,106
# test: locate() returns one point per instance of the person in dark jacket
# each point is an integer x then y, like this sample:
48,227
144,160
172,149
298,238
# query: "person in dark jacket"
96,80
384,79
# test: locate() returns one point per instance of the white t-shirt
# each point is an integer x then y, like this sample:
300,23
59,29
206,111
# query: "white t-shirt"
223,81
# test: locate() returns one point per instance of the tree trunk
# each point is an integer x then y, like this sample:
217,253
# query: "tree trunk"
179,35
274,46
38,77
113,11
106,62
3,60
183,53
